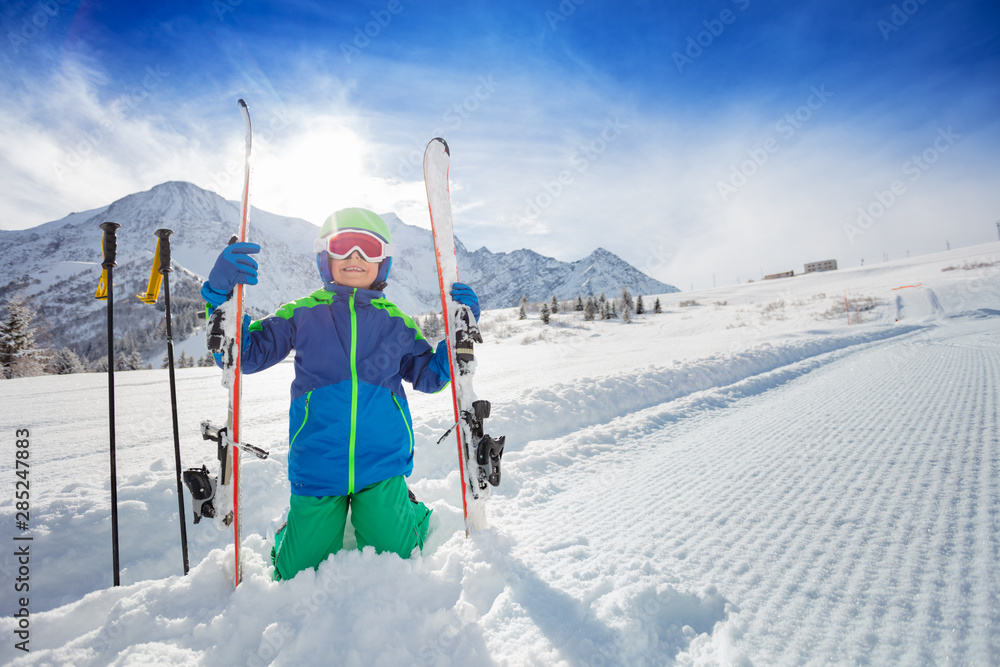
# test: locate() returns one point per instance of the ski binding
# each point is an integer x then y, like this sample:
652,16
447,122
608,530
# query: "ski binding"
202,485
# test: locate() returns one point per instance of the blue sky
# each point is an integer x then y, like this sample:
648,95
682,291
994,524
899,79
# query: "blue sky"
699,141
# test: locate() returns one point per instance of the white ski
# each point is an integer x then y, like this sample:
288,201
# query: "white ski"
478,453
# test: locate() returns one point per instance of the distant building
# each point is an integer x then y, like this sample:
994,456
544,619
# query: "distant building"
786,274
827,265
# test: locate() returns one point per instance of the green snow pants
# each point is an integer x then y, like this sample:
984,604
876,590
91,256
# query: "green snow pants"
382,514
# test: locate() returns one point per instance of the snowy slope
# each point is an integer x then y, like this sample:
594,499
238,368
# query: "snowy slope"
748,480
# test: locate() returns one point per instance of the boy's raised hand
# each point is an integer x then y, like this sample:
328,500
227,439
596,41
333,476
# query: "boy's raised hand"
234,266
466,296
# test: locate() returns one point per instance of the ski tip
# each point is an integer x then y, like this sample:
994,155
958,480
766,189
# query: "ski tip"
242,103
445,143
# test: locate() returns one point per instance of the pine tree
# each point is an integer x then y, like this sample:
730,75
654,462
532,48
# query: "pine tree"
627,304
20,355
626,316
554,306
185,361
579,303
656,306
67,362
207,360
432,326
129,360
545,313
590,309
639,307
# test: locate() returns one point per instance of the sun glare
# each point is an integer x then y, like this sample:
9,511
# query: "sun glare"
312,173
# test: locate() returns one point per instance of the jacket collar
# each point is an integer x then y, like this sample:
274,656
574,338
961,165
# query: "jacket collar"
363,296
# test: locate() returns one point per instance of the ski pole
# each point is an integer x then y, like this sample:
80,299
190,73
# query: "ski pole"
164,249
109,248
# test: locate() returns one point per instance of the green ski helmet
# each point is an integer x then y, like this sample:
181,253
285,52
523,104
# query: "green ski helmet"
359,219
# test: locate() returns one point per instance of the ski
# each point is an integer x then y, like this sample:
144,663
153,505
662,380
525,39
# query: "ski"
219,497
478,453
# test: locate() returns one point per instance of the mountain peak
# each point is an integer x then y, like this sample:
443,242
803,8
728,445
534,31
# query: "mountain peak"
183,190
179,188
602,253
172,202
175,185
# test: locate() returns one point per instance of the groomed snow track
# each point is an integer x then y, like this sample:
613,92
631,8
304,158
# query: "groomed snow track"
838,509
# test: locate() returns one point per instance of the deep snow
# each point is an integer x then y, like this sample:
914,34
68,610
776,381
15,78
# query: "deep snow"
748,480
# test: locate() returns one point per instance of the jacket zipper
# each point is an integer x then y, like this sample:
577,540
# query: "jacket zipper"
354,391
409,431
305,418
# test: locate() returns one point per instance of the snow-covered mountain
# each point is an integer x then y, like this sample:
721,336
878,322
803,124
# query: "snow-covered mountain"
57,266
502,279
509,276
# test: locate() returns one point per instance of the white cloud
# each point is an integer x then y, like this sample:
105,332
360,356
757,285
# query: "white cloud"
536,163
63,149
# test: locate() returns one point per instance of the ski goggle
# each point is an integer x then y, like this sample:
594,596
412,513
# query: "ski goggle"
341,244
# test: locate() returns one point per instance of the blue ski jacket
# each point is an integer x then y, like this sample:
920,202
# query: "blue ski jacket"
349,423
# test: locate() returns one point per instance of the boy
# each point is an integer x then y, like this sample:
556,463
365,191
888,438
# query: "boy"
350,433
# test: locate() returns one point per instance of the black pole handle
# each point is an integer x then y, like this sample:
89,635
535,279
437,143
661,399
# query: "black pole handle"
110,244
164,246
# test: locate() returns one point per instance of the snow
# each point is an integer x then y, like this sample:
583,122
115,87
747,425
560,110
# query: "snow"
749,480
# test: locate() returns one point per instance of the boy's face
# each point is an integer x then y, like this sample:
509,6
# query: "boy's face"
354,271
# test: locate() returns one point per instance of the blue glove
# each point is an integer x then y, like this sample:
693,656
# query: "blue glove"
234,266
465,296
440,362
